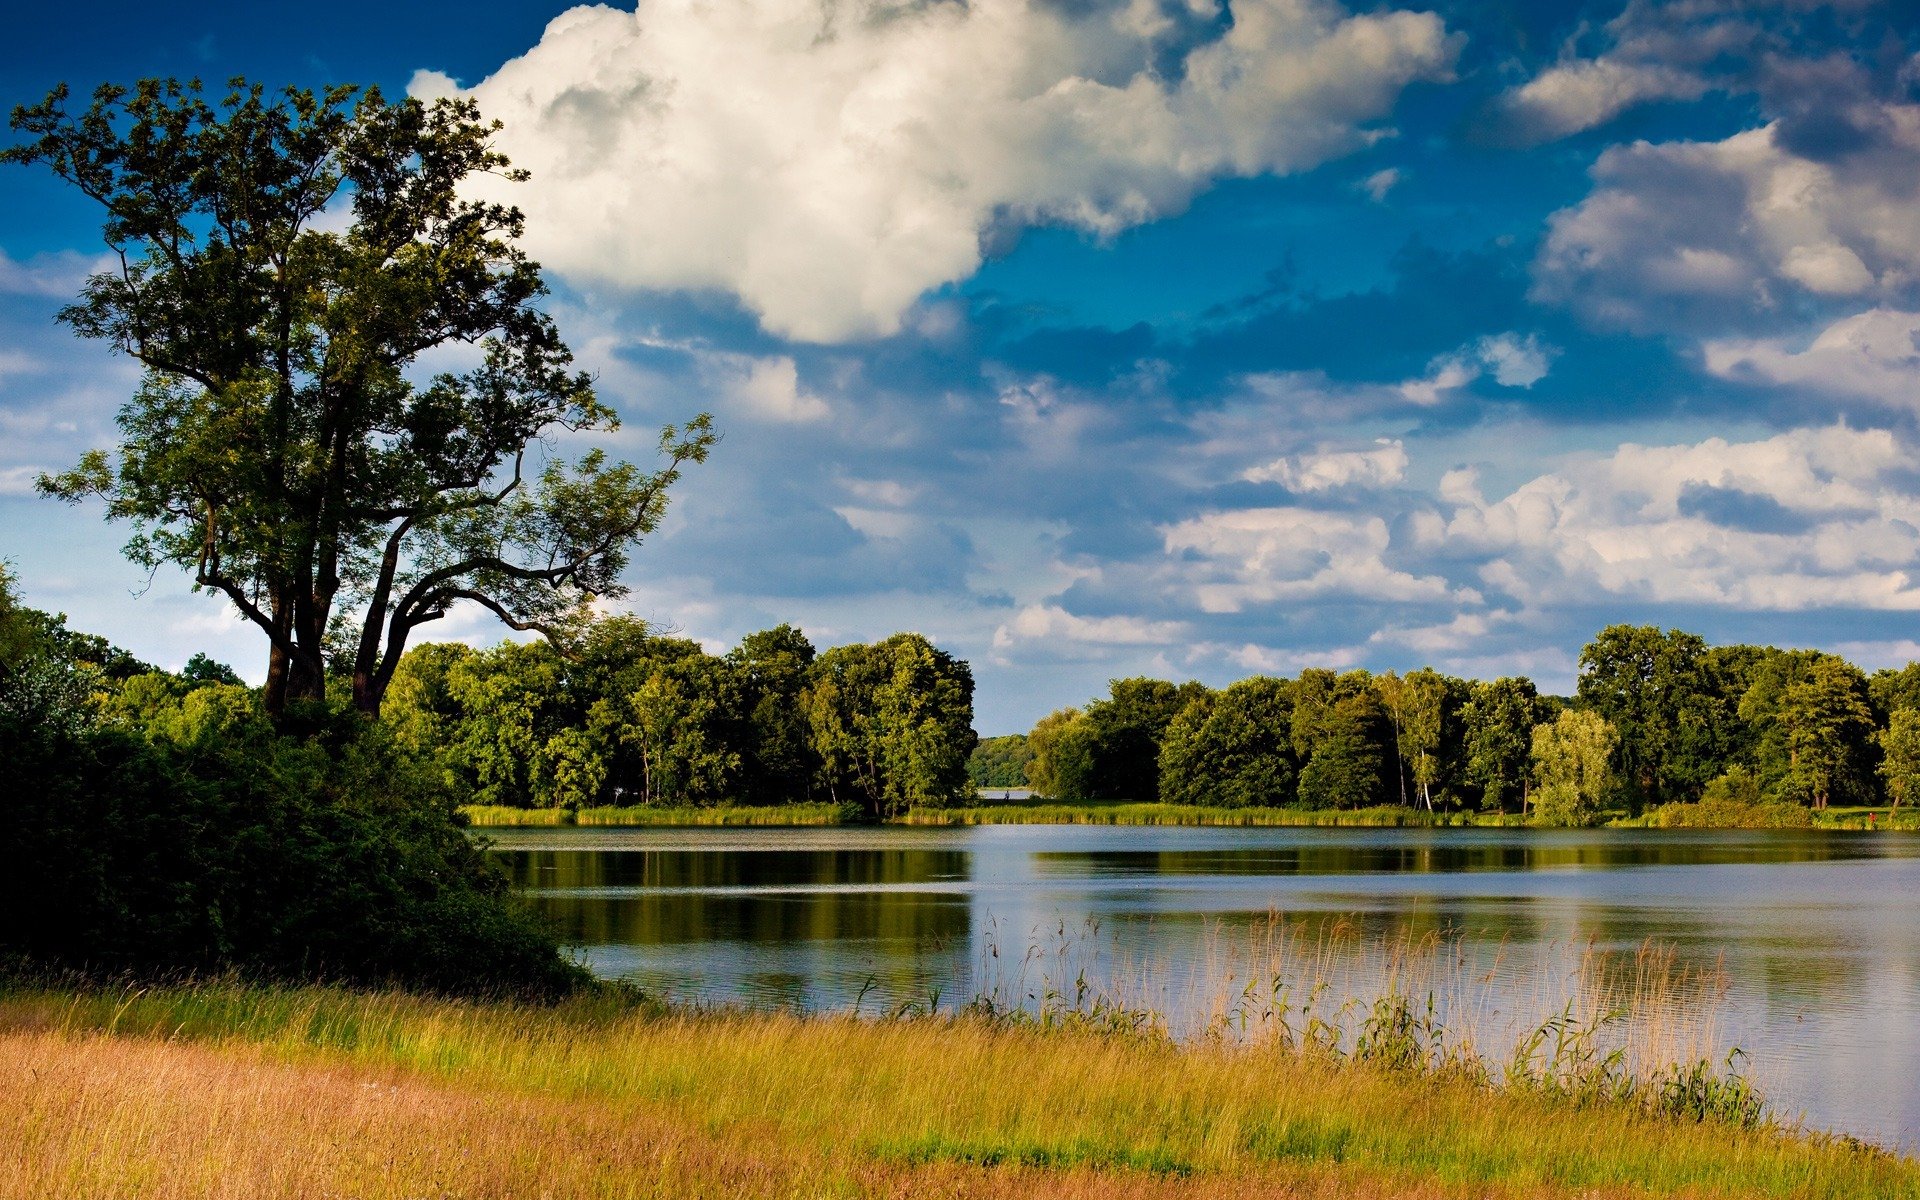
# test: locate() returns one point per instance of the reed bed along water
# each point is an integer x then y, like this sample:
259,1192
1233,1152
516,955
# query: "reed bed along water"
1324,1078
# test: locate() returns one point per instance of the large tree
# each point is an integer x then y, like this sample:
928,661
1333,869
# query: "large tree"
282,262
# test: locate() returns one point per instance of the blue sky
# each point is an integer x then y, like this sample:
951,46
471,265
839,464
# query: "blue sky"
1095,338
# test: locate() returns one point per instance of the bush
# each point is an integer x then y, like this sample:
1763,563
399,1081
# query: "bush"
218,843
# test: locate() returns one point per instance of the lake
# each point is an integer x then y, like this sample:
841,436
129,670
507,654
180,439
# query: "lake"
1811,939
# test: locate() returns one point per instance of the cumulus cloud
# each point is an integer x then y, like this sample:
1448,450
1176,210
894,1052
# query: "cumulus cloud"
1727,234
769,388
1051,622
1228,561
1812,518
1325,470
1578,95
1874,355
828,165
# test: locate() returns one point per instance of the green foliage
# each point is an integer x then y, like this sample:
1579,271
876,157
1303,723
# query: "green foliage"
1498,720
630,718
892,724
1126,728
1828,728
1900,755
1572,768
1231,748
1000,762
771,670
1348,767
1662,693
207,840
283,446
1063,749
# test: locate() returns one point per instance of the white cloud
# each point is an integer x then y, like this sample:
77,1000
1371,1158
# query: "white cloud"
1515,361
769,388
1572,96
1378,184
1228,561
1808,519
1047,622
18,481
1686,234
1874,354
1326,470
58,275
828,165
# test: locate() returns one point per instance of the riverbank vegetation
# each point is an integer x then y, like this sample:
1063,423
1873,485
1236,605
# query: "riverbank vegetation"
1662,728
173,1090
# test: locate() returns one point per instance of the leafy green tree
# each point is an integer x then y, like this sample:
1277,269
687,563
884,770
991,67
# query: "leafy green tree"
892,724
506,699
676,723
1900,755
1000,762
1349,766
1498,719
1062,766
1659,692
1572,768
1829,728
1231,747
771,670
1425,704
1891,690
281,447
1127,727
201,669
1809,723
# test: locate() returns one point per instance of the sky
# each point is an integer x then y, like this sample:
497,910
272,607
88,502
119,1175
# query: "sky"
1094,338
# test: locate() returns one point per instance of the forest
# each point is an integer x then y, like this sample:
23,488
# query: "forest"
1659,718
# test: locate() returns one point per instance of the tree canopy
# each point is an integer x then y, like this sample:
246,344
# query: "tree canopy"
282,262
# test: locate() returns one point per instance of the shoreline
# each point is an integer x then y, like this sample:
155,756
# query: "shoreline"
386,1094
1147,814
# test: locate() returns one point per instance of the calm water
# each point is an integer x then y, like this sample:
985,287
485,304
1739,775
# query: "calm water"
1818,934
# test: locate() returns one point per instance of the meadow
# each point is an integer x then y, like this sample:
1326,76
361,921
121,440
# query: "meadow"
227,1089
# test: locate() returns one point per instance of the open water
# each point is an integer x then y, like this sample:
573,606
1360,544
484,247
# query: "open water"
1814,937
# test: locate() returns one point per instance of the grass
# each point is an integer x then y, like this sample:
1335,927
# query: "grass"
725,814
1130,812
1281,1087
1080,812
229,1090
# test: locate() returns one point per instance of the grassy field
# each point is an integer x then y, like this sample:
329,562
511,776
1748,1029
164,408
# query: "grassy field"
224,1090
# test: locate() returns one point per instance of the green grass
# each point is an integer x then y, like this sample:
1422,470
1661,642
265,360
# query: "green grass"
1131,812
725,814
868,1107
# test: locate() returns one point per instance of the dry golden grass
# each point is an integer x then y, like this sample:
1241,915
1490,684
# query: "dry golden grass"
222,1090
111,1117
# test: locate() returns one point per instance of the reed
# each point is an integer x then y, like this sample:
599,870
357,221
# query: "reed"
1127,812
490,815
1325,1078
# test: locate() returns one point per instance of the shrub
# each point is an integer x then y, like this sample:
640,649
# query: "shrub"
318,851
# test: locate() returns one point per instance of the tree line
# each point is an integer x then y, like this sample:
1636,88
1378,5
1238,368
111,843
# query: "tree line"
624,716
1659,717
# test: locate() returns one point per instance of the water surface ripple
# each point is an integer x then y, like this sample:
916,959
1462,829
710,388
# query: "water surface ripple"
1818,933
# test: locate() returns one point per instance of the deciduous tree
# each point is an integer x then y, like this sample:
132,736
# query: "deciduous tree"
281,263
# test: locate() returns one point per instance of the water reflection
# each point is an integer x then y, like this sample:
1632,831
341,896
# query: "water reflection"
1815,932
